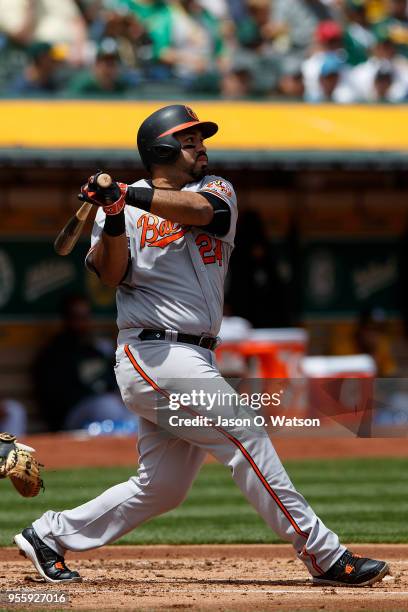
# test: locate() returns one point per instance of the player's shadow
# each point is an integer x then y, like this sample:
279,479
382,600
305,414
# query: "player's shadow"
205,581
249,582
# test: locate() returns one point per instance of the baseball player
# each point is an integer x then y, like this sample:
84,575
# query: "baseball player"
168,258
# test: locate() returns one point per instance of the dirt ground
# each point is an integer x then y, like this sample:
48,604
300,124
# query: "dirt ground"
256,577
222,578
64,450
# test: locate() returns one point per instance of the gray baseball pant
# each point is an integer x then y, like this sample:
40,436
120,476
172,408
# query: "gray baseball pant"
170,457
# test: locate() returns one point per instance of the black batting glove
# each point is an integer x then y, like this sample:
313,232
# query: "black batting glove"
100,196
112,198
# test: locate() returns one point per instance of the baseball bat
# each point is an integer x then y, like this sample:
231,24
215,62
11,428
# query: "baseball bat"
70,233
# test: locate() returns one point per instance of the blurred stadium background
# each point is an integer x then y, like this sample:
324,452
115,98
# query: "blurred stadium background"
310,98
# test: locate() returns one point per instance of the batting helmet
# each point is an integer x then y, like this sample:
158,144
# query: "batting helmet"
155,138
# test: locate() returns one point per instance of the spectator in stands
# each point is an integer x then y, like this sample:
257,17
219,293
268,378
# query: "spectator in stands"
241,48
332,87
13,417
15,34
238,80
227,13
62,23
56,22
73,374
197,53
17,18
187,42
396,23
358,36
363,77
220,9
105,77
257,35
383,82
97,14
134,44
258,29
329,40
43,73
157,18
300,18
291,83
376,10
329,78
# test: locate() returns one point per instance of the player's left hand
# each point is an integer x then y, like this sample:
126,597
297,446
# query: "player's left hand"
112,198
18,464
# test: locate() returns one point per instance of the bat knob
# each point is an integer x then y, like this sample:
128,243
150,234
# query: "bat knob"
104,180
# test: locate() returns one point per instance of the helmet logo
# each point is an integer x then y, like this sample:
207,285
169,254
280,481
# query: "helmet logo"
191,113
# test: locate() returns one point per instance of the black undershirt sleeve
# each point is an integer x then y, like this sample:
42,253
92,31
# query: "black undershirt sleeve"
221,221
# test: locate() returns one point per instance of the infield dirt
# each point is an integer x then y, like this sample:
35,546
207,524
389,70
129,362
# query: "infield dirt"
57,451
255,577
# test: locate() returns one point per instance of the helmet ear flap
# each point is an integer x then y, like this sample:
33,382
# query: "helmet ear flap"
165,150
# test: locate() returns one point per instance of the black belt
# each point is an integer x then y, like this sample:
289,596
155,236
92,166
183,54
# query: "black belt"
207,342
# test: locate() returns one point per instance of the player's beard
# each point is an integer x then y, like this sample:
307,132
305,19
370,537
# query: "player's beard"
199,171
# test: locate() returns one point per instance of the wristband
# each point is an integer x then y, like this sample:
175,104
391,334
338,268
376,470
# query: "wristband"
141,197
115,224
111,210
116,207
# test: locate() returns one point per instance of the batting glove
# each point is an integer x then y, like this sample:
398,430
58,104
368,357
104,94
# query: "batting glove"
112,198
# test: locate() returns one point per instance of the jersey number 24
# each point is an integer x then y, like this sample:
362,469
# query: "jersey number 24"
210,249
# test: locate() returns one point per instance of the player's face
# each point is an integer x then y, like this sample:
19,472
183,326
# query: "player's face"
193,159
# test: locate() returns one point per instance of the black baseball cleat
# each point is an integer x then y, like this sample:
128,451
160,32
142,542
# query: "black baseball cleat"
46,561
353,571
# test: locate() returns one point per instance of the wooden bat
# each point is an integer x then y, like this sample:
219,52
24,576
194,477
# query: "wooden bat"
70,233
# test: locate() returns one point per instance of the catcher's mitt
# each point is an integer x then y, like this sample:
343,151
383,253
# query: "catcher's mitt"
18,464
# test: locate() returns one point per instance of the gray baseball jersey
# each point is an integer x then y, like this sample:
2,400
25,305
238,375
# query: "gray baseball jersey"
176,275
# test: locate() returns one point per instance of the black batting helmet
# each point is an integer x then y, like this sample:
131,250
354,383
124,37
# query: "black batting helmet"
155,138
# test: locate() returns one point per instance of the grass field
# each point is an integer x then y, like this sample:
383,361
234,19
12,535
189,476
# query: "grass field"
363,500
